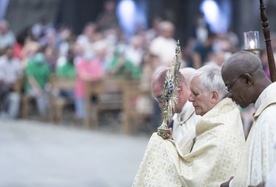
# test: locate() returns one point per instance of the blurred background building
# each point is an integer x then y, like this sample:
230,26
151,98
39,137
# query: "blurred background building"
239,16
97,41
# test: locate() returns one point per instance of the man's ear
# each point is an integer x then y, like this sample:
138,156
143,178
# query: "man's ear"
248,79
215,97
180,88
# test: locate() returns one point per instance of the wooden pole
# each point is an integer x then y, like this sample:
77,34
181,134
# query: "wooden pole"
266,31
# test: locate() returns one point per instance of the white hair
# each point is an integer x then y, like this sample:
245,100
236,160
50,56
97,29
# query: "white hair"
211,80
188,73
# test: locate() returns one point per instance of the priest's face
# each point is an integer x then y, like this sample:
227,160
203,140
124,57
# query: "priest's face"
237,88
202,100
157,91
182,97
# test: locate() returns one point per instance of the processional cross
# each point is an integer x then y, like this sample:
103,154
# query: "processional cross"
266,31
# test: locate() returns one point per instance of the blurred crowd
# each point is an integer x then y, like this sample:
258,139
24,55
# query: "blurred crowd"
101,50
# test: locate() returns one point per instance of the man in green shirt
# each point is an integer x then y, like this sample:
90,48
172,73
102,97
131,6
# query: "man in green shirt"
37,75
67,70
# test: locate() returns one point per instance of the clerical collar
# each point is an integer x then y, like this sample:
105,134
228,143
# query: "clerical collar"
264,94
186,106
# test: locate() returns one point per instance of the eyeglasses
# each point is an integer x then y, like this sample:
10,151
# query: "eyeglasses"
159,99
228,87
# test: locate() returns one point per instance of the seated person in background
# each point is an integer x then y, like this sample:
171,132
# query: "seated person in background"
37,75
214,153
10,73
66,70
87,69
7,37
122,65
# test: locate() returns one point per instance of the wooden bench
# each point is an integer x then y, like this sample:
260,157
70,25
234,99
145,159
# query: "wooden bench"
57,103
132,118
114,94
109,93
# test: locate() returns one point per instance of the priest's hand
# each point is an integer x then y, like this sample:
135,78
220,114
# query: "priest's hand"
226,184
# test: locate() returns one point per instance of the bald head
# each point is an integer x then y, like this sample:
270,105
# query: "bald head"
157,84
158,81
244,77
240,63
159,76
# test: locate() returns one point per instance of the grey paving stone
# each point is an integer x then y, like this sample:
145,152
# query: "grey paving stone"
35,154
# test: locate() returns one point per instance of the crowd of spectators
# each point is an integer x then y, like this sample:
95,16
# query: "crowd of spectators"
101,50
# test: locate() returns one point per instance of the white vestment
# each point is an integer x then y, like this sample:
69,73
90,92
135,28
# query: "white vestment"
213,159
271,179
259,156
184,124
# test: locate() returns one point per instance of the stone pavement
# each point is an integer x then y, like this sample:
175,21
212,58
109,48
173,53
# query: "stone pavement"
35,154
